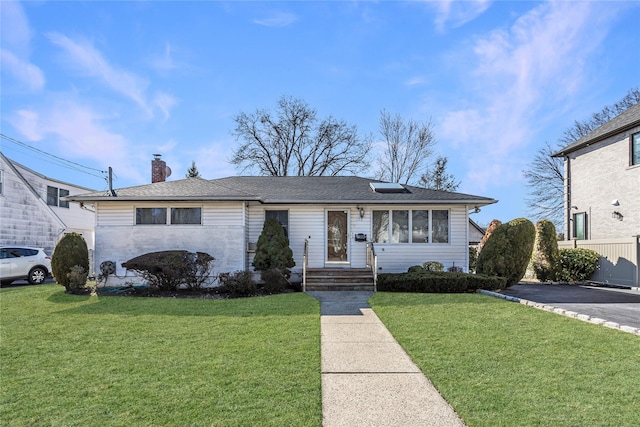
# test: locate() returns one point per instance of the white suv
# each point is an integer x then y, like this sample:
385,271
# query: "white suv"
24,263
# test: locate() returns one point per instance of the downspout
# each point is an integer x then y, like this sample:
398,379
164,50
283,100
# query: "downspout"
568,191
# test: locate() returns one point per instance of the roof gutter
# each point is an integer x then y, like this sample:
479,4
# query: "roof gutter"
570,149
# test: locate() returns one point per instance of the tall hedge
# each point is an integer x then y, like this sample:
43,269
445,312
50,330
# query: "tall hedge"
272,249
546,256
507,251
70,251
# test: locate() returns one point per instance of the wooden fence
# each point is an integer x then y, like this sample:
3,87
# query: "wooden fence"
619,259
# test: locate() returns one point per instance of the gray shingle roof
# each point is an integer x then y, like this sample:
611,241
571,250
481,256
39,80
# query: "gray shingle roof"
275,190
624,121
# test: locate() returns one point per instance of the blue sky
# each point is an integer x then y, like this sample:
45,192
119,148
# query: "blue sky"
110,83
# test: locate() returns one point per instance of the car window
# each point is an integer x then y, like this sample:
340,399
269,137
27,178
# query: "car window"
3,253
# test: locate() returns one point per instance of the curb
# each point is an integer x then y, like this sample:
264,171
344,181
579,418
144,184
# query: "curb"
563,312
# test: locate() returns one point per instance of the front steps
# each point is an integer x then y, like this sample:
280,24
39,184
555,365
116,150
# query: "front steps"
339,279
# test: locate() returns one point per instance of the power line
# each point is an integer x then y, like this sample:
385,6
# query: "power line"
58,160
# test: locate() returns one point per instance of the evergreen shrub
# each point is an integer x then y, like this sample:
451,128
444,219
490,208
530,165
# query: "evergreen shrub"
71,251
508,250
272,249
438,282
546,256
578,264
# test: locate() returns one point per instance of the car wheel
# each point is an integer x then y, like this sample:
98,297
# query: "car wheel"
37,275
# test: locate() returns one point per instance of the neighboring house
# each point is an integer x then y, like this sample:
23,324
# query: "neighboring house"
602,195
476,233
33,211
337,216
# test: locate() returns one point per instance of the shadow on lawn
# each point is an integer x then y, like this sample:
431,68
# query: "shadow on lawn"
295,304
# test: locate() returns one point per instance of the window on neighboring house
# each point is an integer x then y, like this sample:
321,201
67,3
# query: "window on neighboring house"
151,216
580,226
54,194
186,215
281,216
63,193
392,226
1,182
635,149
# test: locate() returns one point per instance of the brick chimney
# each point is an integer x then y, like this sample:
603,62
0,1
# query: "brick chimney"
158,169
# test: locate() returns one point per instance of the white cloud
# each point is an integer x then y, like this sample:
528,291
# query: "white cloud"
15,30
90,61
14,54
164,62
28,74
530,68
454,14
164,102
80,132
278,19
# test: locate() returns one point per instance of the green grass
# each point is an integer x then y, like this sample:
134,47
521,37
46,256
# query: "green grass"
503,364
120,361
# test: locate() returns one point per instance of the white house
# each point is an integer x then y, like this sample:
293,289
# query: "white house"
33,211
336,217
602,196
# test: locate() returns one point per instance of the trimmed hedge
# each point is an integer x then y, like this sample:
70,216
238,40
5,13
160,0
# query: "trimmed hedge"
508,250
577,265
546,255
438,282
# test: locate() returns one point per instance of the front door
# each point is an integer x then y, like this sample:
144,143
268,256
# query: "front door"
337,241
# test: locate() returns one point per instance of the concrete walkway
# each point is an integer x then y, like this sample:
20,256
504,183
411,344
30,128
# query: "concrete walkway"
367,378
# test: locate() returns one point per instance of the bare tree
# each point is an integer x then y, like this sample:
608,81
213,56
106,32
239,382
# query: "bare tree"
409,144
545,179
437,178
545,175
291,141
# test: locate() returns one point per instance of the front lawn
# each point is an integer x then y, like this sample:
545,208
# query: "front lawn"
79,360
500,363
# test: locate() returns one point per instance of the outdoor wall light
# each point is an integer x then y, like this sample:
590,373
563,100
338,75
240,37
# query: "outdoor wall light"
361,210
615,202
617,215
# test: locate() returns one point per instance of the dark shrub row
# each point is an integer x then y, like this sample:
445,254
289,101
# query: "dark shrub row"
438,282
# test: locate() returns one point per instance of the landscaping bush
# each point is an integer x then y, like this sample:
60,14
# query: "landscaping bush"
71,251
546,256
433,266
438,282
577,265
274,281
272,249
168,270
507,251
239,283
77,277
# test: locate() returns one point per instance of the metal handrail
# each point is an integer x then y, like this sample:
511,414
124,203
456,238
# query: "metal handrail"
304,265
372,262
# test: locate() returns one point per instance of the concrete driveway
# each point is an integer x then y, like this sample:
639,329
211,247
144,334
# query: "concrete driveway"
621,306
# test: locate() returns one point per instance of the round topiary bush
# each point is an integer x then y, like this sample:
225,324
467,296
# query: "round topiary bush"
507,251
546,256
69,257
